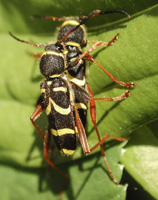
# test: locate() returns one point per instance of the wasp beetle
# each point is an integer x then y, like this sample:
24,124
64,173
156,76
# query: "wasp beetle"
64,93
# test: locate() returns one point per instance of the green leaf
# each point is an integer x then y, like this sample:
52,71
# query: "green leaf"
141,158
132,58
86,174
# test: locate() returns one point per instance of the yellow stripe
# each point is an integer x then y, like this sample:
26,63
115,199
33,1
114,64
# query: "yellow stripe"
81,106
76,129
71,43
62,131
60,89
65,52
70,22
62,111
71,96
49,82
53,53
76,81
54,76
81,61
67,152
74,23
43,90
48,109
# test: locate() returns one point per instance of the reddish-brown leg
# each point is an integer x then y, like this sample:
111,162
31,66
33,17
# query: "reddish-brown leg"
47,146
105,44
93,117
50,17
83,137
47,139
123,96
34,116
82,134
84,142
90,58
35,55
